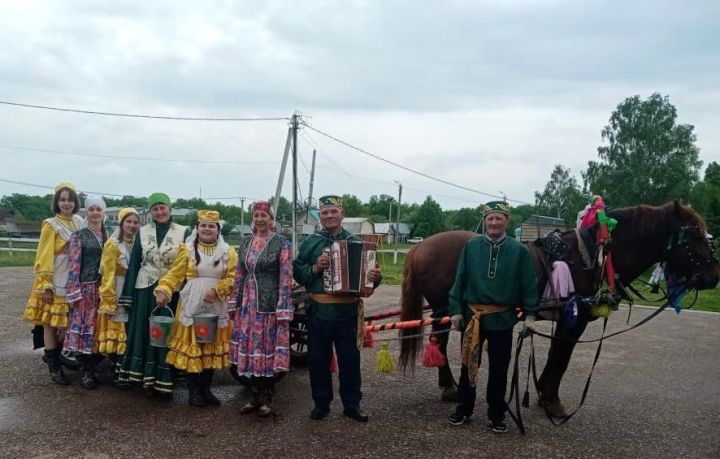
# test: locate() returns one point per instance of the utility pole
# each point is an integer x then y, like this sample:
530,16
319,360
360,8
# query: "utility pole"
295,124
242,215
390,220
312,182
397,230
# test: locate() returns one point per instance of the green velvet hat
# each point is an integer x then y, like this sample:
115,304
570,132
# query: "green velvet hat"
330,200
496,206
159,198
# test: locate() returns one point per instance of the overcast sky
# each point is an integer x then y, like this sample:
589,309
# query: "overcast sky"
489,97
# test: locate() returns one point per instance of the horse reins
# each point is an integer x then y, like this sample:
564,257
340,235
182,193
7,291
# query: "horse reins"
678,238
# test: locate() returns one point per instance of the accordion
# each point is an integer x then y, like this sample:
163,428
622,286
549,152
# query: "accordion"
350,262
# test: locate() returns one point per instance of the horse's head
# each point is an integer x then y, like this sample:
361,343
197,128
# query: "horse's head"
689,252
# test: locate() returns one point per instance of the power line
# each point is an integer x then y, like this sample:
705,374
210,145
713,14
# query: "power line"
34,185
384,182
135,158
130,115
365,152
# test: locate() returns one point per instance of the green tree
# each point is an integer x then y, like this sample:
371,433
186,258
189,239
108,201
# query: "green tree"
28,208
646,156
562,197
706,198
518,215
378,208
353,206
428,219
467,218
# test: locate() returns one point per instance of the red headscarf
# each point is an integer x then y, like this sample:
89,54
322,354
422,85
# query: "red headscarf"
265,207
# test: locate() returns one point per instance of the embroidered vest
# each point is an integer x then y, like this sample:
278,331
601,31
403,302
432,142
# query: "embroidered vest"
266,272
89,256
157,260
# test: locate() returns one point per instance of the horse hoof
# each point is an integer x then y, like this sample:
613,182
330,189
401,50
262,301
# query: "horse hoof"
554,408
449,394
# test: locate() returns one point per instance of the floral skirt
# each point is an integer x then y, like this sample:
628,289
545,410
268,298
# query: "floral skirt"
260,344
185,353
80,333
111,336
39,312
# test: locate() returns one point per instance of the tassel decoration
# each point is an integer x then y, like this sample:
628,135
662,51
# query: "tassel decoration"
432,356
333,363
601,310
369,339
384,362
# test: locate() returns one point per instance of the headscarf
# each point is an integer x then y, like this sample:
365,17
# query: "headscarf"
95,200
265,207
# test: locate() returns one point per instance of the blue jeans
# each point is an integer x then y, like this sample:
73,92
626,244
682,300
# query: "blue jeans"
321,336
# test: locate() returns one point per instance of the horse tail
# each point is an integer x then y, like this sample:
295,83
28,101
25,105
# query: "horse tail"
411,308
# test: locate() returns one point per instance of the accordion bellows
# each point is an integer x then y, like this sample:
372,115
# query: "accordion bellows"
350,262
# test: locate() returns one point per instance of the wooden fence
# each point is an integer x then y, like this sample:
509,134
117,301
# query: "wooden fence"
18,244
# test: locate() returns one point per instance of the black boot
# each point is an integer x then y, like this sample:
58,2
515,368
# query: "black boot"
265,403
253,404
193,382
52,358
87,371
206,378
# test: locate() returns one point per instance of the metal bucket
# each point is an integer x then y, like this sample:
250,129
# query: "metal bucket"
160,327
206,326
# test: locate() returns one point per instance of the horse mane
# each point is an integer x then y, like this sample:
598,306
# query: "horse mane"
647,219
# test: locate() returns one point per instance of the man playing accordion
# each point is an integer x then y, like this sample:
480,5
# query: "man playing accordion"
332,318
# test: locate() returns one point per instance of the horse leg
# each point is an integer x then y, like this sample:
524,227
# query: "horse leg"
557,363
448,387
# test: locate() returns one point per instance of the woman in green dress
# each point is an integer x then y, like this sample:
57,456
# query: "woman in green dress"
153,253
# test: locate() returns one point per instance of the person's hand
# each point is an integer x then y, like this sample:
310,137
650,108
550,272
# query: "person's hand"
48,296
322,263
458,322
529,327
375,274
210,296
161,299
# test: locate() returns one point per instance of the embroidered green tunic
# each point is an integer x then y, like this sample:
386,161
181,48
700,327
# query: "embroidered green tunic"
500,273
309,252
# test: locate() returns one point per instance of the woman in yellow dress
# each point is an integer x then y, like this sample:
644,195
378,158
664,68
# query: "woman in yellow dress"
47,305
207,264
111,333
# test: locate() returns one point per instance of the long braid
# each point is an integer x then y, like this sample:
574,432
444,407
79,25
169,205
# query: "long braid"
197,254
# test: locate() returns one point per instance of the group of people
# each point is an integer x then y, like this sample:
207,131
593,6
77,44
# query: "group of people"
95,295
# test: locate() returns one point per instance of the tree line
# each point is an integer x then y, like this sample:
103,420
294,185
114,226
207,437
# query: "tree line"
646,156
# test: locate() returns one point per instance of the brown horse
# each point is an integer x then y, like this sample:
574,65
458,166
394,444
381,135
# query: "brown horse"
644,235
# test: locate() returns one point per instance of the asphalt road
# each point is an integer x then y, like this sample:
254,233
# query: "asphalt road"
655,393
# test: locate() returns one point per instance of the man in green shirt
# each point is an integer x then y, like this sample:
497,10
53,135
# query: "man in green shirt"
331,318
495,278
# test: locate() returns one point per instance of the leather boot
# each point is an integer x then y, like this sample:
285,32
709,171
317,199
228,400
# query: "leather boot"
206,378
87,371
52,357
253,404
265,403
195,397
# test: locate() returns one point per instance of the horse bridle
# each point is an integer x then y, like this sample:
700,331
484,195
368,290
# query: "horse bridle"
681,238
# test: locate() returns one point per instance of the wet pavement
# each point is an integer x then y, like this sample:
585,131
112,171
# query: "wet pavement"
655,393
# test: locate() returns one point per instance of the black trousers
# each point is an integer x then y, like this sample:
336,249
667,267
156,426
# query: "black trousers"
321,336
499,355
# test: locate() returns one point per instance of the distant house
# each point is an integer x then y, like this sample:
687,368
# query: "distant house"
241,230
28,230
6,216
387,231
537,226
359,225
